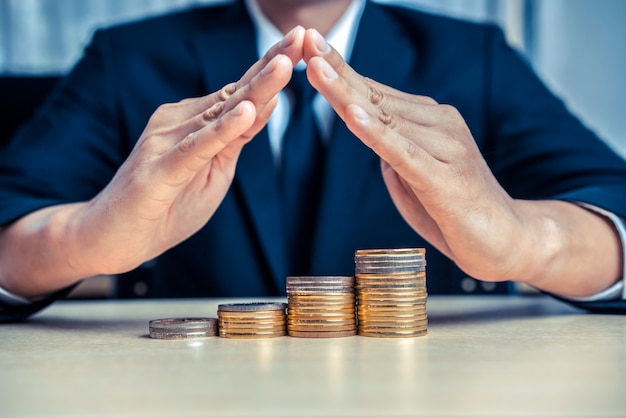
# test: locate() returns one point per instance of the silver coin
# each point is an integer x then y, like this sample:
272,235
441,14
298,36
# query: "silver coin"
182,328
252,307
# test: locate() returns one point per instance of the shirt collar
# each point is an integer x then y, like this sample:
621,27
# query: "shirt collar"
341,36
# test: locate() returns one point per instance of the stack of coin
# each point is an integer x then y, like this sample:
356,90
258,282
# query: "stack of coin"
182,328
321,306
391,292
252,320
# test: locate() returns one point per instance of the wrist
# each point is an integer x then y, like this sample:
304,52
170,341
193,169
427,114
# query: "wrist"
568,250
538,247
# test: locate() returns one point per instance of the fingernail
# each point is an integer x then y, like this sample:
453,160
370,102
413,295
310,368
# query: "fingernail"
269,68
320,42
237,110
328,71
290,37
360,113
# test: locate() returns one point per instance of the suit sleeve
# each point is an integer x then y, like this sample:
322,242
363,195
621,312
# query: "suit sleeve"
66,153
16,312
71,148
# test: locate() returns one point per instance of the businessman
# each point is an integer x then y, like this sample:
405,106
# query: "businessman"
431,132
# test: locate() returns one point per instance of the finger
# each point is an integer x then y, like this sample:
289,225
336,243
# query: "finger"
412,209
192,107
341,85
290,46
198,147
406,157
262,89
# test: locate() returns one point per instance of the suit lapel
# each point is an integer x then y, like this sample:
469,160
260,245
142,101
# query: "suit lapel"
226,53
387,57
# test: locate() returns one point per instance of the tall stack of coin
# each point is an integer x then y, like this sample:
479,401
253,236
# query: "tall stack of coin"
321,306
252,320
391,292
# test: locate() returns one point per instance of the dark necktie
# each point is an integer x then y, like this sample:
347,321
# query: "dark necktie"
302,157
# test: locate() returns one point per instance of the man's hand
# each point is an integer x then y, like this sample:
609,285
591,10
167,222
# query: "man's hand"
445,191
184,163
171,184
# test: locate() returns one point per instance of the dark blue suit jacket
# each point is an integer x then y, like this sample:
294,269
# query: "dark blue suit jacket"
535,148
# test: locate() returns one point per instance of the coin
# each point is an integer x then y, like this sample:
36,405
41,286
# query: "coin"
390,277
252,307
320,305
390,252
251,336
342,280
334,298
252,320
322,334
394,334
182,328
391,292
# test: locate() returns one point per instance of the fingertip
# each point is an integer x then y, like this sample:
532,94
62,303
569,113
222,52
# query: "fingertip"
291,36
278,61
243,108
318,41
324,68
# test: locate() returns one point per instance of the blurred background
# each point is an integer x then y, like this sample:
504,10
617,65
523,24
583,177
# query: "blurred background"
573,44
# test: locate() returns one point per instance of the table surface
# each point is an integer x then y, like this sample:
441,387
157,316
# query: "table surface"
489,356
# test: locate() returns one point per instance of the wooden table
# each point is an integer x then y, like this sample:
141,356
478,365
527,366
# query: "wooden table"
489,356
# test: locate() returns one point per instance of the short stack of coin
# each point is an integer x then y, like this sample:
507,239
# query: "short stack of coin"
182,328
252,320
391,292
321,306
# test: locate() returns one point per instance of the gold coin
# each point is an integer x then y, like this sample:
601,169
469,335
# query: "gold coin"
321,327
401,303
390,293
394,323
382,316
389,270
321,312
259,325
322,334
251,318
341,297
320,315
270,315
349,301
320,292
317,307
392,286
252,336
323,320
420,333
392,329
390,312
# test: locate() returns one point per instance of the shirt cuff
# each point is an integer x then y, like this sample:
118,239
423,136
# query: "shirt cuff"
617,291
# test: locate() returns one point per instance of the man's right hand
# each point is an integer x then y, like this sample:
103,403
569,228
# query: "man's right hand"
171,184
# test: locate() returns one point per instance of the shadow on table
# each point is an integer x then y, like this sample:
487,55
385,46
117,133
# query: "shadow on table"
525,308
83,324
